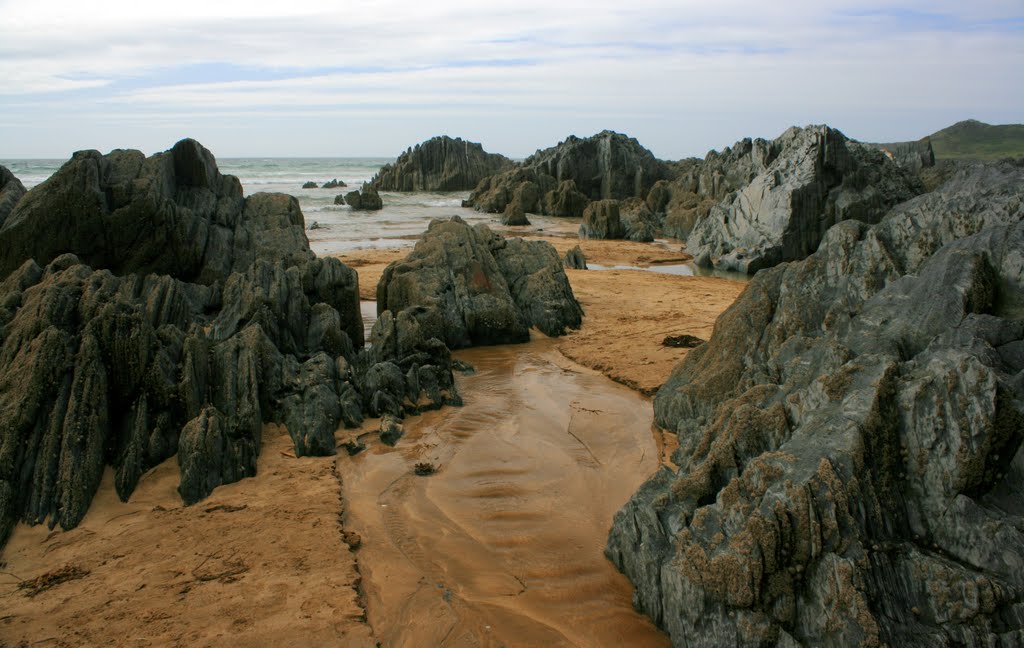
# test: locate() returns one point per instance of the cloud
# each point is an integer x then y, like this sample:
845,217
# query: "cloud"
689,75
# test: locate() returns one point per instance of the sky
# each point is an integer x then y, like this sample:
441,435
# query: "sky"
371,78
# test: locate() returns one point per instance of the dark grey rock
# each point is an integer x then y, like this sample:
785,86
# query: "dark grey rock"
440,164
211,319
605,166
310,185
575,259
469,286
514,215
365,199
818,178
333,184
601,220
495,193
850,442
11,191
566,200
390,430
339,199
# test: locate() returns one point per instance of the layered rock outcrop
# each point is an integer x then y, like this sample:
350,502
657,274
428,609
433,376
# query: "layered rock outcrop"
11,191
850,460
913,156
566,177
153,310
469,286
818,178
440,164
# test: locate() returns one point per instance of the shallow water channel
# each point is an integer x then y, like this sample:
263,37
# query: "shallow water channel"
503,545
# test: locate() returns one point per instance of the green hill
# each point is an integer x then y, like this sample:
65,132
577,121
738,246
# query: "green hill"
976,140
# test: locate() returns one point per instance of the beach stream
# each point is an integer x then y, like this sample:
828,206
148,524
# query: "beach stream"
503,544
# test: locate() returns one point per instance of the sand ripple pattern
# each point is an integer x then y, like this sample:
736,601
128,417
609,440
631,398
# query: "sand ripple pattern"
503,546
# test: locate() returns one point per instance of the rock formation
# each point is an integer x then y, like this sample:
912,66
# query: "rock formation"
566,200
817,179
850,461
566,177
605,166
575,259
365,199
333,184
469,286
913,156
149,309
601,220
494,193
11,191
440,164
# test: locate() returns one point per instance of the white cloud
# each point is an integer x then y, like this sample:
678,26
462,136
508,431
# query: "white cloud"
691,75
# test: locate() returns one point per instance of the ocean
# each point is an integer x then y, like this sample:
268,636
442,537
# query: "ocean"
340,229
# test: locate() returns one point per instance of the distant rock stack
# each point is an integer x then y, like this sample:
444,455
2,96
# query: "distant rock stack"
440,164
568,176
850,457
148,308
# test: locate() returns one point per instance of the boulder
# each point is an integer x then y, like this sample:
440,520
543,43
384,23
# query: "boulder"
850,453
468,286
817,179
601,220
365,199
566,200
514,215
574,259
201,316
309,185
11,191
440,164
339,199
333,184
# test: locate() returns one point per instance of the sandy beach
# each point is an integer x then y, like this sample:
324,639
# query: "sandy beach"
503,545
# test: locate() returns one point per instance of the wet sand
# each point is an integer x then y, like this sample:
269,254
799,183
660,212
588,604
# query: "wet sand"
629,313
258,563
503,545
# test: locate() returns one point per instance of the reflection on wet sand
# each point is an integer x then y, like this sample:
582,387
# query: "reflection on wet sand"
503,544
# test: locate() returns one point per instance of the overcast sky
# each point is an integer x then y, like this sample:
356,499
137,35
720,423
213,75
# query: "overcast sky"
316,78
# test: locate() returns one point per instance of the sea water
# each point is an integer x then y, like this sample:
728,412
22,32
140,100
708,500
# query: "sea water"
339,228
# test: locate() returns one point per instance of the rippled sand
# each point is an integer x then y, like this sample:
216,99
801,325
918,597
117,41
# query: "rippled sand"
503,544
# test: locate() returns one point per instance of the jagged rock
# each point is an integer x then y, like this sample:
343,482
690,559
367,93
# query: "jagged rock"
850,442
817,179
566,200
639,223
514,215
913,156
339,199
333,184
493,194
469,286
605,166
575,259
365,199
601,220
172,213
309,185
11,191
206,317
440,164
699,184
